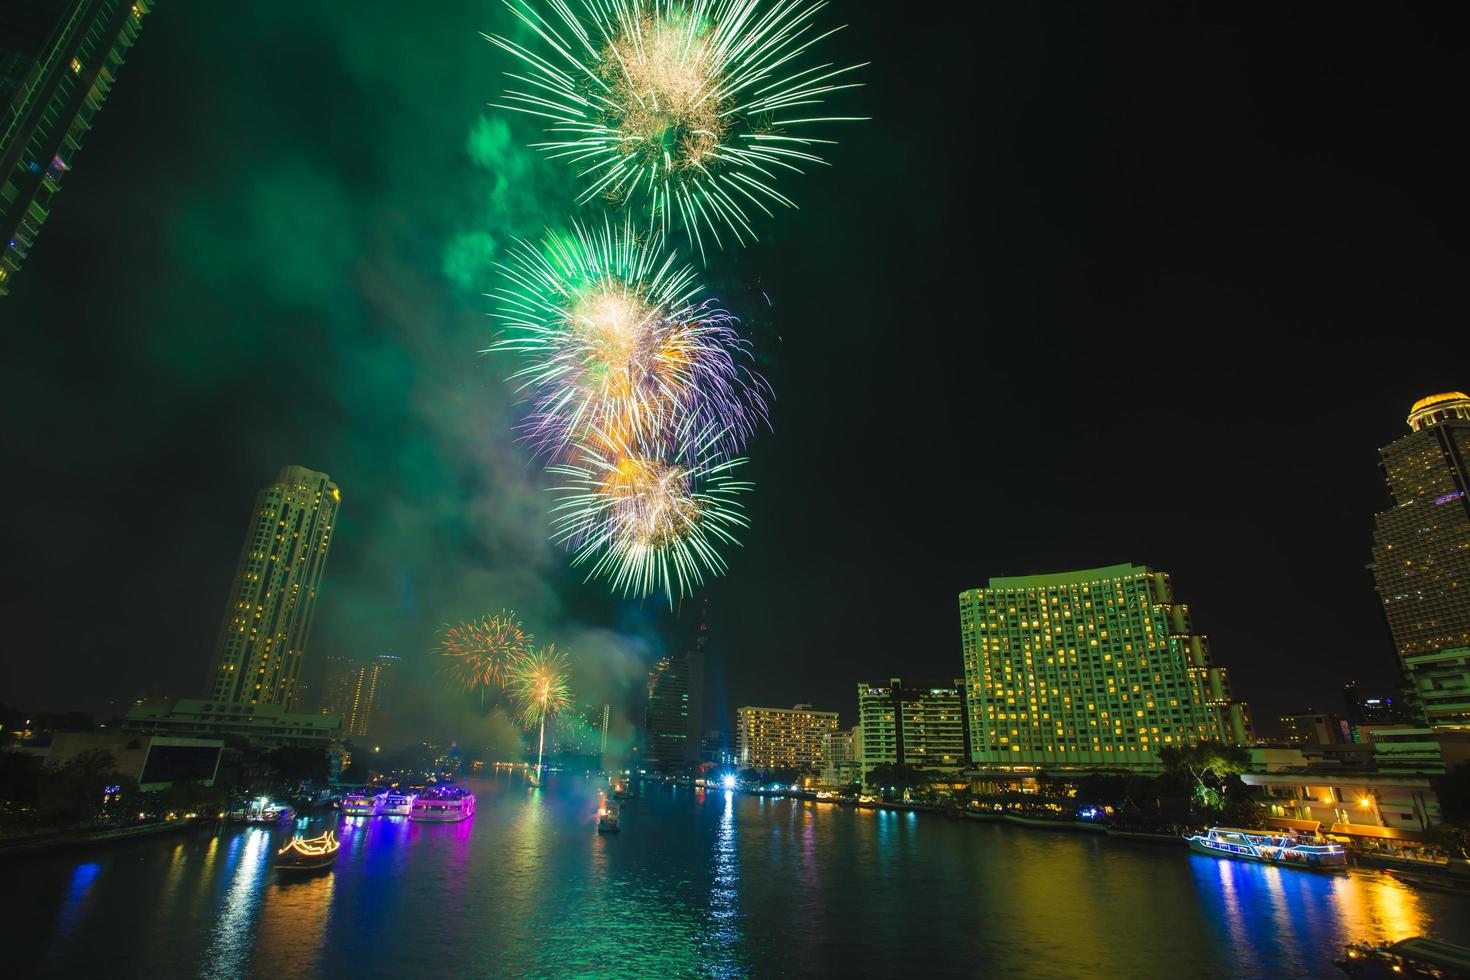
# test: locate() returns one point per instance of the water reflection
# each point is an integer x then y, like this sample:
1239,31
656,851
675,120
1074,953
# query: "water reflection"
229,948
724,895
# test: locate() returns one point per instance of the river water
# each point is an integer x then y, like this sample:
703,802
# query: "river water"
697,884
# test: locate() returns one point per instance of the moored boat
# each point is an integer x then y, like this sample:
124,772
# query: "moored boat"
303,854
265,811
399,803
443,804
1414,957
364,802
1270,847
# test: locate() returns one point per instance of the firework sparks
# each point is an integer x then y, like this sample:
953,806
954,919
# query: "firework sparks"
540,688
687,108
618,345
646,520
481,654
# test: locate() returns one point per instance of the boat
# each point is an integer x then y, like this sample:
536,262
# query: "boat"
264,811
1270,847
443,804
608,817
1414,957
399,803
313,854
366,802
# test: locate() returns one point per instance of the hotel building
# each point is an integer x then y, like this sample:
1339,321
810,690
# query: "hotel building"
1097,668
355,691
262,640
920,724
782,738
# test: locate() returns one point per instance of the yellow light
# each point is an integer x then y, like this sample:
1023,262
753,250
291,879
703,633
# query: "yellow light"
1365,802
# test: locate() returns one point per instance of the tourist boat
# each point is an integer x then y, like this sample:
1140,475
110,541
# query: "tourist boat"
608,816
364,803
314,854
1414,957
1269,846
264,811
443,804
398,803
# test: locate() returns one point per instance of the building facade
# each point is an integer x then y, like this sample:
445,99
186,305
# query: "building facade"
920,724
1314,728
267,620
58,61
782,738
840,757
673,721
1421,545
267,725
1442,686
1097,668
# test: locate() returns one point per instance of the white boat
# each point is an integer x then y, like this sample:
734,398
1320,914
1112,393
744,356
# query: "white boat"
364,803
399,803
443,804
264,811
1269,847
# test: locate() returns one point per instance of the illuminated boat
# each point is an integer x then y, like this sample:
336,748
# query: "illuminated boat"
608,816
1269,847
1414,957
264,811
443,804
399,803
314,854
364,803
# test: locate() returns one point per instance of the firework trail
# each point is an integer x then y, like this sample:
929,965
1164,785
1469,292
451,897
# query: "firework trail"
687,109
618,343
539,683
481,653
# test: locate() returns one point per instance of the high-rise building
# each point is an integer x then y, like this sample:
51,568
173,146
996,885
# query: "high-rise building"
1314,728
782,738
1421,545
1366,711
673,722
1442,686
920,724
841,756
58,61
356,691
267,621
1097,668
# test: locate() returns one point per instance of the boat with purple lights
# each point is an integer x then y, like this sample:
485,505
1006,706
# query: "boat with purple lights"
399,803
443,804
364,802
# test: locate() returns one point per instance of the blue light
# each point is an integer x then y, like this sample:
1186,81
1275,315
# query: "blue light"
728,782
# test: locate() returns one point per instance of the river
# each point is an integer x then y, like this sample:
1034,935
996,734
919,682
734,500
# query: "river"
696,884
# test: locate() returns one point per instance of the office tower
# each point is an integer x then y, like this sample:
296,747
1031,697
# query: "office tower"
920,724
673,721
1088,669
268,617
356,692
58,61
782,738
1421,545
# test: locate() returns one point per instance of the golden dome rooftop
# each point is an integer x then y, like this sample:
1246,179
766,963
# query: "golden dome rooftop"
1444,407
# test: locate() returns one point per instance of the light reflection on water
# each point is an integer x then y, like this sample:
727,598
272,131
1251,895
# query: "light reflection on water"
697,883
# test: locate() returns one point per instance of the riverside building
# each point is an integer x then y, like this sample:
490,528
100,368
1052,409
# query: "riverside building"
920,724
782,738
262,640
1097,668
1421,545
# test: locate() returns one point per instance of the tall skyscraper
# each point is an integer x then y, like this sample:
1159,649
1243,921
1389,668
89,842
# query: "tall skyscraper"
58,61
268,618
1421,545
673,722
920,724
781,738
356,691
1097,668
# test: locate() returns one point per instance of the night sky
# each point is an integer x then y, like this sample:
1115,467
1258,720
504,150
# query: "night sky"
1092,287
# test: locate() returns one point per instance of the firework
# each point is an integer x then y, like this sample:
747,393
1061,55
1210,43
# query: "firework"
539,688
685,108
619,346
645,519
480,654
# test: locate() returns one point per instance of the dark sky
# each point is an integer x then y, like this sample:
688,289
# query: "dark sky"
1092,287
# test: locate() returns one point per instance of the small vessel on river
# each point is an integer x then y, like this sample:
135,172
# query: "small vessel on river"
399,803
608,817
443,804
1270,847
265,811
313,854
1414,957
367,802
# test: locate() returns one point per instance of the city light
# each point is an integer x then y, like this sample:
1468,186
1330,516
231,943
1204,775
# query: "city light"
728,782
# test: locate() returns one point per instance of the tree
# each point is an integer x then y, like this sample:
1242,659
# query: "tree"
83,788
896,779
1209,767
298,765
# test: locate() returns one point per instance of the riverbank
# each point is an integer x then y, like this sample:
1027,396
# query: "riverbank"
55,840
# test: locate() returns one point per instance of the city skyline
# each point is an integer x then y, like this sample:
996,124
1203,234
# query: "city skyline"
444,515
